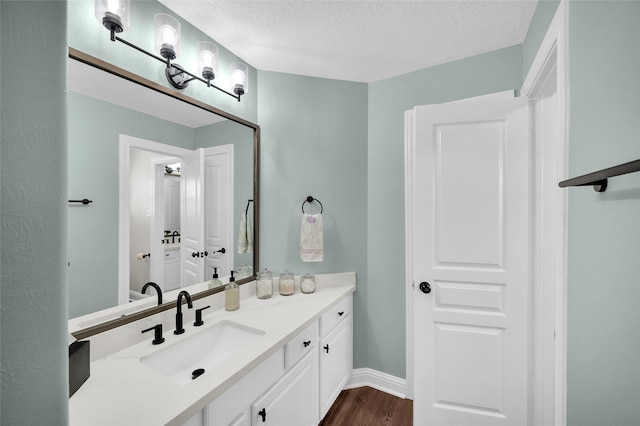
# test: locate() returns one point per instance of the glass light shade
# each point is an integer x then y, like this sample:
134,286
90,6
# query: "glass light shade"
113,14
167,36
207,60
239,78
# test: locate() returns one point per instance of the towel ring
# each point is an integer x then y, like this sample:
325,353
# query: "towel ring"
310,199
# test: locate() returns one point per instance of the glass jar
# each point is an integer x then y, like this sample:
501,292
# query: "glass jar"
264,284
307,283
287,284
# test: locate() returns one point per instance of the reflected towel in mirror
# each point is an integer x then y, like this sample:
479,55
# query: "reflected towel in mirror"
245,234
311,238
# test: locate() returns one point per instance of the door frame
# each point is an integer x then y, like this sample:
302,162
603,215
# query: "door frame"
158,201
552,57
551,61
124,226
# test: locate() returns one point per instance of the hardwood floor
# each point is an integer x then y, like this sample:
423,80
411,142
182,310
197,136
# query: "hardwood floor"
366,406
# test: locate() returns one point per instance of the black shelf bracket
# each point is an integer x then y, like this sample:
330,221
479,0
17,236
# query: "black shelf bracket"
599,179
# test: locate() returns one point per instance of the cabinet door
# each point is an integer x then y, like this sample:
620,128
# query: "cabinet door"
196,420
336,363
293,401
229,408
244,419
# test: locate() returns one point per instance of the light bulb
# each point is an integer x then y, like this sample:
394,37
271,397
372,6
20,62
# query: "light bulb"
207,59
169,35
237,77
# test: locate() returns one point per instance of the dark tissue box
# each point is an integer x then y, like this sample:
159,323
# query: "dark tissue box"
78,365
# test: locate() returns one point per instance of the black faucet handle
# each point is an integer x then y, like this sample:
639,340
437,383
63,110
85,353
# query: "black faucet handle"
157,334
199,321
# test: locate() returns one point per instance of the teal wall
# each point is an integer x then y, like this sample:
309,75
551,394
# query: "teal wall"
381,317
603,371
33,263
313,142
94,150
85,33
542,17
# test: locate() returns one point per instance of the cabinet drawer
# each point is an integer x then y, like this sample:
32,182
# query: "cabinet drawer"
336,315
300,345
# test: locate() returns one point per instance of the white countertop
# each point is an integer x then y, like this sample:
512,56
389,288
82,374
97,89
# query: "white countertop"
123,391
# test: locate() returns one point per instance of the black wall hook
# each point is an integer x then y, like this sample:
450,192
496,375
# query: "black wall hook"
310,199
83,201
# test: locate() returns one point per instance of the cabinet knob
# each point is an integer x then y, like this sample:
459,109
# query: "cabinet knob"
263,413
306,343
326,347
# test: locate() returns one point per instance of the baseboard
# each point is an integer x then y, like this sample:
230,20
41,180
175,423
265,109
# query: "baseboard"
381,381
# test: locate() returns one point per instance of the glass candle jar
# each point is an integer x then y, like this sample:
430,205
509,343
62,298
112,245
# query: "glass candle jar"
287,284
307,283
264,284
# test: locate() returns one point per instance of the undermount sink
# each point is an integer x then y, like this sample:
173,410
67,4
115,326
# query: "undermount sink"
193,356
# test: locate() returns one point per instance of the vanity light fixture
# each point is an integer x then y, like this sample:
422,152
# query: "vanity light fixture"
114,15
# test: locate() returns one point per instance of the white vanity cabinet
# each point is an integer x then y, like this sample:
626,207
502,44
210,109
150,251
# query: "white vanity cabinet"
336,352
293,400
233,407
298,384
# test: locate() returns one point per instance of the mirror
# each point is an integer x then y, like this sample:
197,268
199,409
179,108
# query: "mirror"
143,222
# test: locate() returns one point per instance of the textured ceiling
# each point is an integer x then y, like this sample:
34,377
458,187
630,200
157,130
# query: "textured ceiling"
361,41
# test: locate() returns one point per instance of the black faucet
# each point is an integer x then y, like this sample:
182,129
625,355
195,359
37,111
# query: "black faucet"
158,291
179,329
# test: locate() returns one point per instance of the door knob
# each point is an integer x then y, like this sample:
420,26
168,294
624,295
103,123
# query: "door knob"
425,287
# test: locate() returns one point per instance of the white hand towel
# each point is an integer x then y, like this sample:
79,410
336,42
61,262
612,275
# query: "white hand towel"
242,235
249,233
311,239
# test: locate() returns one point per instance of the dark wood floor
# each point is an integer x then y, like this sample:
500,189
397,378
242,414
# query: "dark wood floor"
369,407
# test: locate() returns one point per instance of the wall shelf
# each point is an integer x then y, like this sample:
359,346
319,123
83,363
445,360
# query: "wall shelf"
599,179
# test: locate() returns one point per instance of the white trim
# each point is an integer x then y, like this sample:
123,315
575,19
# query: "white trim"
408,245
552,57
375,379
126,143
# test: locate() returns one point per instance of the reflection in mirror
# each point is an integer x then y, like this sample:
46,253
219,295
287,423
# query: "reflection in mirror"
148,221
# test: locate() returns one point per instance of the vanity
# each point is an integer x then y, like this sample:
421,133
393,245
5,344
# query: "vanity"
279,361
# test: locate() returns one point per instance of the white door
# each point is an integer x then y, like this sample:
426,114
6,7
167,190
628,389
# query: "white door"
470,215
192,218
218,178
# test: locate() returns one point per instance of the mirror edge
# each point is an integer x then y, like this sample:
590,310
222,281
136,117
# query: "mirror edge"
122,73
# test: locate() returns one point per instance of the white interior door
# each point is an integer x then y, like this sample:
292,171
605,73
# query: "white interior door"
471,213
218,178
192,218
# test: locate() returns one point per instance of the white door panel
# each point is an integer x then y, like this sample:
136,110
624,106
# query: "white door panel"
470,220
192,218
218,175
